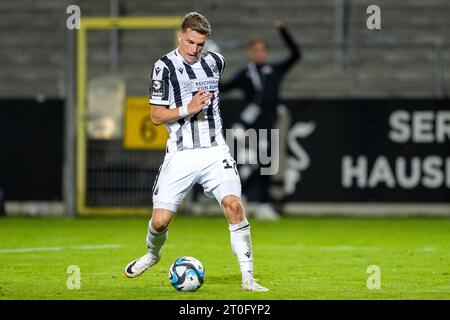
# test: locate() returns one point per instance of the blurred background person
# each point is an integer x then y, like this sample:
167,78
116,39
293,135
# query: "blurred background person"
260,82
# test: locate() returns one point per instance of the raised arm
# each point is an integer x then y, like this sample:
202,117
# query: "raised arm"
294,49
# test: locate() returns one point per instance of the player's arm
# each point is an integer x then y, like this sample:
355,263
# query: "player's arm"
160,92
160,114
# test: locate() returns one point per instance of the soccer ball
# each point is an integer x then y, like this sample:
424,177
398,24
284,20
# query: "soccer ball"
186,274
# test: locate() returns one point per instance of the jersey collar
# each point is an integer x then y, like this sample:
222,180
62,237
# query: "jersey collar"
177,52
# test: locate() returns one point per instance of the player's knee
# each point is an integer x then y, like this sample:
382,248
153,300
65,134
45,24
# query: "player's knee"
233,207
159,225
159,221
236,207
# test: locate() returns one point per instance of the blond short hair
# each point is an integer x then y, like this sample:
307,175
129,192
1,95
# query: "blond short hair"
196,22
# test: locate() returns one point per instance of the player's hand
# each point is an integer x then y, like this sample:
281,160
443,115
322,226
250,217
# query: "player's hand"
199,101
278,24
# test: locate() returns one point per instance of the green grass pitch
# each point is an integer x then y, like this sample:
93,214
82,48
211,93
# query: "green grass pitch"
297,258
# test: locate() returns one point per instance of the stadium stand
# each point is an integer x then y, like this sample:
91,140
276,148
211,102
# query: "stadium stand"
408,57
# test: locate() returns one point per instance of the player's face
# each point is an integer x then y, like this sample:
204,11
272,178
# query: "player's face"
258,52
191,44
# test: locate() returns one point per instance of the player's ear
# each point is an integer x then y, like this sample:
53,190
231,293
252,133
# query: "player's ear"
179,36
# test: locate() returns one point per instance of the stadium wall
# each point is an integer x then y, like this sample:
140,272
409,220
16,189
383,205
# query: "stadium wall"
341,156
345,157
374,156
31,148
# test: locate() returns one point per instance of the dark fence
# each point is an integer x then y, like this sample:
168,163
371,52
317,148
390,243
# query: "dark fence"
31,149
334,151
363,150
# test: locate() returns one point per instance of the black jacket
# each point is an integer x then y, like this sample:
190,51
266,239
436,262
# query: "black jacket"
270,76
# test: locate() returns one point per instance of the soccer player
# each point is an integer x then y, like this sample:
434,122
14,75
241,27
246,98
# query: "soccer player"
184,94
260,83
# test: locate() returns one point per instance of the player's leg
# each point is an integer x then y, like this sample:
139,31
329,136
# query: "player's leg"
156,237
157,230
241,241
174,181
221,179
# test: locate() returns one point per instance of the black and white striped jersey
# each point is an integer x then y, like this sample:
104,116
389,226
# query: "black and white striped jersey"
174,83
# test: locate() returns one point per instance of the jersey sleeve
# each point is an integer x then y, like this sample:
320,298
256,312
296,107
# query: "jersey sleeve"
220,61
159,85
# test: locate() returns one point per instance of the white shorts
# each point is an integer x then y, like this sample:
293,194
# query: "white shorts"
212,167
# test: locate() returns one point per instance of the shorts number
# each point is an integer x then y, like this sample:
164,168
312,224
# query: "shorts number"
228,166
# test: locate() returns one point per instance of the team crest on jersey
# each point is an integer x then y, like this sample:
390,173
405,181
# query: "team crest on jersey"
158,88
214,67
189,86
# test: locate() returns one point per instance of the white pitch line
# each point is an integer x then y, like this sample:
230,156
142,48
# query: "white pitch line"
21,250
99,246
425,249
46,249
347,248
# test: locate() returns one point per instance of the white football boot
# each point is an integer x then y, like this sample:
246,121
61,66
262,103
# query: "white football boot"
250,284
139,266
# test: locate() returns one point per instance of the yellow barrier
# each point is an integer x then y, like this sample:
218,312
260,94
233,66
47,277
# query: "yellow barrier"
140,132
104,23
